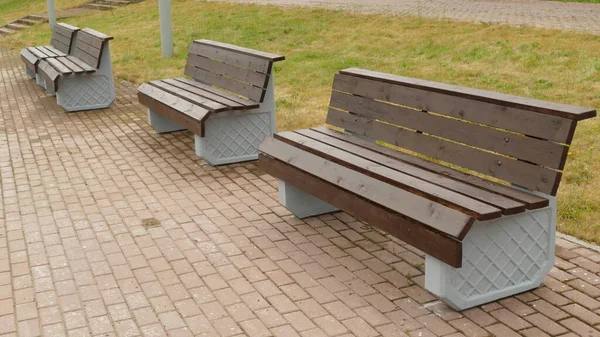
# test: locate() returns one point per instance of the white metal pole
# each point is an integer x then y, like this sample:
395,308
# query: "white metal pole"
51,13
166,29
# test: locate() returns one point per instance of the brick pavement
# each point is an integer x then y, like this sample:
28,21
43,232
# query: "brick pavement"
537,13
78,256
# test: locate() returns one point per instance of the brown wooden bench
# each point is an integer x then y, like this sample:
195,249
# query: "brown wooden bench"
60,46
83,80
228,104
393,167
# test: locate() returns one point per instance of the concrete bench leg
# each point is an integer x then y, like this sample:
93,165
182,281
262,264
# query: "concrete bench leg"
501,258
30,72
234,136
302,204
162,124
88,91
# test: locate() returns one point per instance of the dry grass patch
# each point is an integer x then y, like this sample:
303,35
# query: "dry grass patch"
544,64
11,10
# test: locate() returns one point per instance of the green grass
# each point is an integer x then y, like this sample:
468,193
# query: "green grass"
544,64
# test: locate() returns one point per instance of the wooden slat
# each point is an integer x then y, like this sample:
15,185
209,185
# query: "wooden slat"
74,67
531,176
87,58
530,149
86,67
417,186
248,104
188,96
508,118
190,116
31,59
232,105
36,52
65,30
62,39
89,40
61,68
241,50
56,51
245,75
240,60
529,104
65,49
508,206
49,73
40,51
442,247
96,34
48,51
438,217
531,201
240,88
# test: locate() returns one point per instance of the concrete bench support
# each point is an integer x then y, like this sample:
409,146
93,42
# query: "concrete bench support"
88,91
501,258
301,204
234,136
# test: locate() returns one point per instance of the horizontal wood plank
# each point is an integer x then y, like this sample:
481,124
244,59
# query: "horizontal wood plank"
239,60
241,50
86,67
195,114
517,120
190,97
63,48
528,104
73,66
232,105
530,149
243,89
66,28
531,201
507,205
241,74
62,39
442,247
56,51
246,103
531,176
60,67
422,210
40,52
96,34
415,185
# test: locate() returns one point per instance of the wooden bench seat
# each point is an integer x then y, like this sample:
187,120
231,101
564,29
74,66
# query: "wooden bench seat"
231,89
61,45
396,166
82,80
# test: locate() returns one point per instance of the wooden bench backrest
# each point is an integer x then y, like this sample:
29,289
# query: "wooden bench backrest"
89,46
242,71
63,37
518,140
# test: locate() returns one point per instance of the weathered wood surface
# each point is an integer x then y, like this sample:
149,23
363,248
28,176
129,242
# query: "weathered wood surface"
507,205
439,217
441,246
530,200
522,103
518,172
188,115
